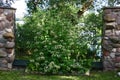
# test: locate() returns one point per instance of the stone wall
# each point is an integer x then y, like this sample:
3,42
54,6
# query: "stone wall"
111,38
7,25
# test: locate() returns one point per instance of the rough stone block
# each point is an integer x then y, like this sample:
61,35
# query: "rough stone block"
109,33
8,35
108,64
115,39
117,54
118,27
10,59
7,11
2,18
118,20
9,50
105,38
9,17
3,53
118,14
106,53
1,45
107,45
117,59
1,11
118,50
8,30
117,32
112,55
2,40
3,63
115,45
7,24
9,45
116,10
114,50
9,65
117,65
109,17
107,11
110,25
2,25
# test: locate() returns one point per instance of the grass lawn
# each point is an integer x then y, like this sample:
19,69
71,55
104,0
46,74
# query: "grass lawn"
20,75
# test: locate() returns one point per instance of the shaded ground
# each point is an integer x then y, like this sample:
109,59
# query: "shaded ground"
20,75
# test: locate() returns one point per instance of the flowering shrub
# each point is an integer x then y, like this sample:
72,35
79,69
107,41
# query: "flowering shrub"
53,43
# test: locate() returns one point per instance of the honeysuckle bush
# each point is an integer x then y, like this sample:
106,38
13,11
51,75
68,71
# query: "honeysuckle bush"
52,39
55,50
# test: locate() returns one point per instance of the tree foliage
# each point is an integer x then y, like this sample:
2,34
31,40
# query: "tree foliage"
6,3
113,3
83,5
93,26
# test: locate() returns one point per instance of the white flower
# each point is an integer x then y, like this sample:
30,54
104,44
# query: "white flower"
32,60
118,73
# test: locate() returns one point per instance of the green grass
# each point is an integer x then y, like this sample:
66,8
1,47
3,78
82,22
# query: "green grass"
20,75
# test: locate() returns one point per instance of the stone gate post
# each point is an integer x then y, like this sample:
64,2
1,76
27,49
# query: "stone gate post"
111,38
7,44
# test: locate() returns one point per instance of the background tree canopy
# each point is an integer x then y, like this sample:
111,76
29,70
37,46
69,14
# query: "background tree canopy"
82,5
47,4
6,3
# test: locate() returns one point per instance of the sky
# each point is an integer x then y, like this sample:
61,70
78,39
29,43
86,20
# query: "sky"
21,8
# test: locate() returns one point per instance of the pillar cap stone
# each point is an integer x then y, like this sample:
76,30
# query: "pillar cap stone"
111,7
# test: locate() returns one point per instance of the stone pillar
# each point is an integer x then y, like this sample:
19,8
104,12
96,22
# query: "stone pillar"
111,38
7,26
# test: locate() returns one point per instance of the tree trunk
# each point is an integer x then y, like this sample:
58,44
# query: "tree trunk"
85,7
